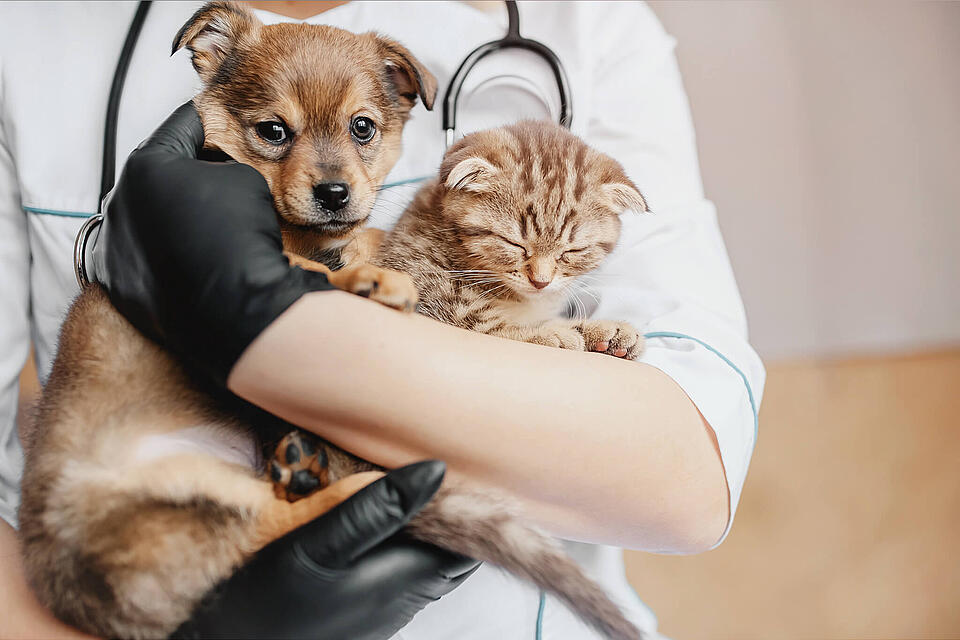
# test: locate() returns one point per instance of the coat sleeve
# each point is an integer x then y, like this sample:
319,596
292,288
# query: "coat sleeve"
670,275
14,319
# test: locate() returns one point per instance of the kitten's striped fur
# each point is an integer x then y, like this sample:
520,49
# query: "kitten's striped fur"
512,210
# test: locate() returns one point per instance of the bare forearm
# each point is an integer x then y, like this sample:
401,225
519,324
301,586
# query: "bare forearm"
21,616
598,449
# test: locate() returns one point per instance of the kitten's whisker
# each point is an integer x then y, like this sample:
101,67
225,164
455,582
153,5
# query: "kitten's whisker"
581,310
487,294
586,289
476,284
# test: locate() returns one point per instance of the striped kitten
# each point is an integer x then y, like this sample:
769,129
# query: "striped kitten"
516,215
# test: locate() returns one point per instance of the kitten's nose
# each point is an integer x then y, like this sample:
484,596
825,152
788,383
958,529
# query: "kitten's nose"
332,196
539,284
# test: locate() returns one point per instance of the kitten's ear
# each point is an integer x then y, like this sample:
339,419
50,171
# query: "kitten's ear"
624,195
212,33
407,74
471,174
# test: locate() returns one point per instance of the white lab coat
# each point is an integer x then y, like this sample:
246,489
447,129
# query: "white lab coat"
669,274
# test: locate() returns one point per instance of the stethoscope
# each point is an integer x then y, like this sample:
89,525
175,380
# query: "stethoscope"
512,40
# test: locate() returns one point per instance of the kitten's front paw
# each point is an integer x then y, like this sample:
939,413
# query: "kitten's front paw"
618,339
391,288
557,336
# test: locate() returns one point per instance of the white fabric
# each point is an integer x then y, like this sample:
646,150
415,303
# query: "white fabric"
668,275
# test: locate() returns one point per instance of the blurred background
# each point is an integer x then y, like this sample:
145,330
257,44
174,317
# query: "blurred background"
829,136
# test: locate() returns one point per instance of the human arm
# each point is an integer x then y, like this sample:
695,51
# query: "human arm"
579,438
669,276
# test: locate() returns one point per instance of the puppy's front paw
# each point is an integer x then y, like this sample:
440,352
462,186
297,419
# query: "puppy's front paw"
298,467
391,288
618,339
557,336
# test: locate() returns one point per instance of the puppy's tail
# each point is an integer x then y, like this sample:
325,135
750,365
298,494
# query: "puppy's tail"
479,525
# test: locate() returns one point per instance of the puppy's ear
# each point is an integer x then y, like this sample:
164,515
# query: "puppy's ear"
212,33
625,195
407,75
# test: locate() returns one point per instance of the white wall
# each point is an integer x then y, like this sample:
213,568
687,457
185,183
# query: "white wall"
829,137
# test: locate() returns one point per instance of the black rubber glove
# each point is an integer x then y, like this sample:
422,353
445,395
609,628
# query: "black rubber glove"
336,578
190,251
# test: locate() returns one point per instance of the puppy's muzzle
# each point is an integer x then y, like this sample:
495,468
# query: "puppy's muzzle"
332,196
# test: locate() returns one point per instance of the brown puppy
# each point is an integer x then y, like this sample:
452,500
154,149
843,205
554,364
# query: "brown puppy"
141,491
319,112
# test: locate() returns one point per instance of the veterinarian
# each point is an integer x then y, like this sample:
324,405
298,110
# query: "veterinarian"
649,455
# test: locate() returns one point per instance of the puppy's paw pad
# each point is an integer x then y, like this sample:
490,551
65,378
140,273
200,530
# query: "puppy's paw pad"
298,467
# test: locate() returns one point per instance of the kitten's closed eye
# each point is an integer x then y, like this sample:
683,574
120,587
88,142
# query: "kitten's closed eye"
510,242
500,251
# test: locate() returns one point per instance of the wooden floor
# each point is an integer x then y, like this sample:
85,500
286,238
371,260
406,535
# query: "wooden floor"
850,519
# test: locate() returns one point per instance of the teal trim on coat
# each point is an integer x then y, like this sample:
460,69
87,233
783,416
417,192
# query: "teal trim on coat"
543,602
55,212
400,183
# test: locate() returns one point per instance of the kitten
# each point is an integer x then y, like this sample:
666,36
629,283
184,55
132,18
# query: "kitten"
496,242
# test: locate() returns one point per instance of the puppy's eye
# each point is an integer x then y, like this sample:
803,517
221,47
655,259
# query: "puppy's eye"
273,132
363,129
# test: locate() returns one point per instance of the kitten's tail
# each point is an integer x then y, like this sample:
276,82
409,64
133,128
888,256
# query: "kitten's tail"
479,525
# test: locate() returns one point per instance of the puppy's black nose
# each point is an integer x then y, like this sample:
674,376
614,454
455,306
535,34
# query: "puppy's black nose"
332,196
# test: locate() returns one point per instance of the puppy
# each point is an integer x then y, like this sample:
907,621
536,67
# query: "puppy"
141,490
319,112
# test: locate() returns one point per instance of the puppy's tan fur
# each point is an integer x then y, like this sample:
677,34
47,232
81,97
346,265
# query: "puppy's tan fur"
120,542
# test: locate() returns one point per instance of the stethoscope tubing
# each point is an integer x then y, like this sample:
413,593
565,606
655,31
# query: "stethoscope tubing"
108,167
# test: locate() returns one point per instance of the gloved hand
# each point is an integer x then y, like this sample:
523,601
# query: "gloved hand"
190,251
335,578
